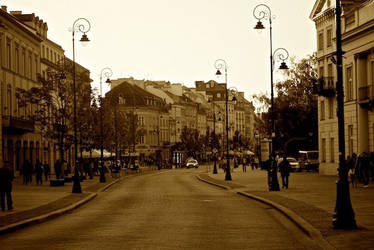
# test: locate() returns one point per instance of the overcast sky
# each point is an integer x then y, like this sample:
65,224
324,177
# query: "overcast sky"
178,40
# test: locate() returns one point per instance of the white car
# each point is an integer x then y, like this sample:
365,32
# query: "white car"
295,166
192,163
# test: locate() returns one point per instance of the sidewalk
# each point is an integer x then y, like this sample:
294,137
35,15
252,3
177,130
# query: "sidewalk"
312,197
33,203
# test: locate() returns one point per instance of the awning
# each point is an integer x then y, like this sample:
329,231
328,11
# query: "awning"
95,153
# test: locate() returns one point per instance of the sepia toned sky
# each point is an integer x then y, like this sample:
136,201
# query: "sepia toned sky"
178,40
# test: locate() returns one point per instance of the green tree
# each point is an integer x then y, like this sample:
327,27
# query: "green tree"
295,108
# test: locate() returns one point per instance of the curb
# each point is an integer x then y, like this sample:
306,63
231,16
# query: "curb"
54,214
305,226
212,183
45,217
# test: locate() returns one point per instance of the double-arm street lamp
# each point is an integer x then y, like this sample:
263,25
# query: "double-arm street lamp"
260,12
80,25
221,64
106,72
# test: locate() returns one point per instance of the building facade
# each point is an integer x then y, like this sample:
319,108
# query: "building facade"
358,79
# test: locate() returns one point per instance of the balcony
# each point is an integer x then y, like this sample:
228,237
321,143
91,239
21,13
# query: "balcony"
16,126
366,97
325,86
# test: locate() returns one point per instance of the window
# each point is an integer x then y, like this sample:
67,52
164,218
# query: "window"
43,51
47,53
218,95
329,70
331,108
9,101
350,140
24,62
323,149
349,20
329,37
332,151
321,71
322,110
320,41
30,67
9,55
349,84
17,60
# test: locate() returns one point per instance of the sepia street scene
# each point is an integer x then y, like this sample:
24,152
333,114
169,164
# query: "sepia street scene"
174,124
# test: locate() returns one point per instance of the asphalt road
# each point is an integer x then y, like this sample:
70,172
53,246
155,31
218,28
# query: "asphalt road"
169,210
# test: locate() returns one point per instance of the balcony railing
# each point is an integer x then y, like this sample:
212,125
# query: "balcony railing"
366,97
17,125
325,86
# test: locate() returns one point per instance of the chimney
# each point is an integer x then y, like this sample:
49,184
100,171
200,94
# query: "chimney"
3,8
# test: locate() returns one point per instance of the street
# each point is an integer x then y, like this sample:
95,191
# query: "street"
167,210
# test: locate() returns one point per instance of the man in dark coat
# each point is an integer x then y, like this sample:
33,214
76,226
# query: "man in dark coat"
6,178
284,168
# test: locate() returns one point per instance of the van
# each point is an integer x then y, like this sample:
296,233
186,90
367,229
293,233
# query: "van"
308,160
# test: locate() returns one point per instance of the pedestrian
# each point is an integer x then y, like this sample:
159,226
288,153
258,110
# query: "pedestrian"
47,170
6,178
244,164
363,167
38,172
284,169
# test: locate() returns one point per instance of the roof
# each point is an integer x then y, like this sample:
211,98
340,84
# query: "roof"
135,96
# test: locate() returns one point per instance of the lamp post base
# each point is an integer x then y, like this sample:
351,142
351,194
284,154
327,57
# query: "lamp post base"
274,184
102,178
215,167
77,189
228,172
344,216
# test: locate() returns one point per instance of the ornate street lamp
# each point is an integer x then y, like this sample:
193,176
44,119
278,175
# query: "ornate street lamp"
80,25
214,137
260,12
106,72
344,216
221,64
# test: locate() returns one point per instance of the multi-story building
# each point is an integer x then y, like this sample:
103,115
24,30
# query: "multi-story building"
153,117
358,79
27,55
20,66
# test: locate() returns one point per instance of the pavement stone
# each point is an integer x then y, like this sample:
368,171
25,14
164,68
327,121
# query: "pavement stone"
312,197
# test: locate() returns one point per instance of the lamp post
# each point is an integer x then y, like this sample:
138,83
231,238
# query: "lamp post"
344,216
260,12
214,137
80,25
107,72
221,64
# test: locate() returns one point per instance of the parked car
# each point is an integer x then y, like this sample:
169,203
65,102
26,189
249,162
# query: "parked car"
309,160
295,166
192,163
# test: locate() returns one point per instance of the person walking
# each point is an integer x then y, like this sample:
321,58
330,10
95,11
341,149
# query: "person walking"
38,172
46,170
244,164
284,168
6,178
